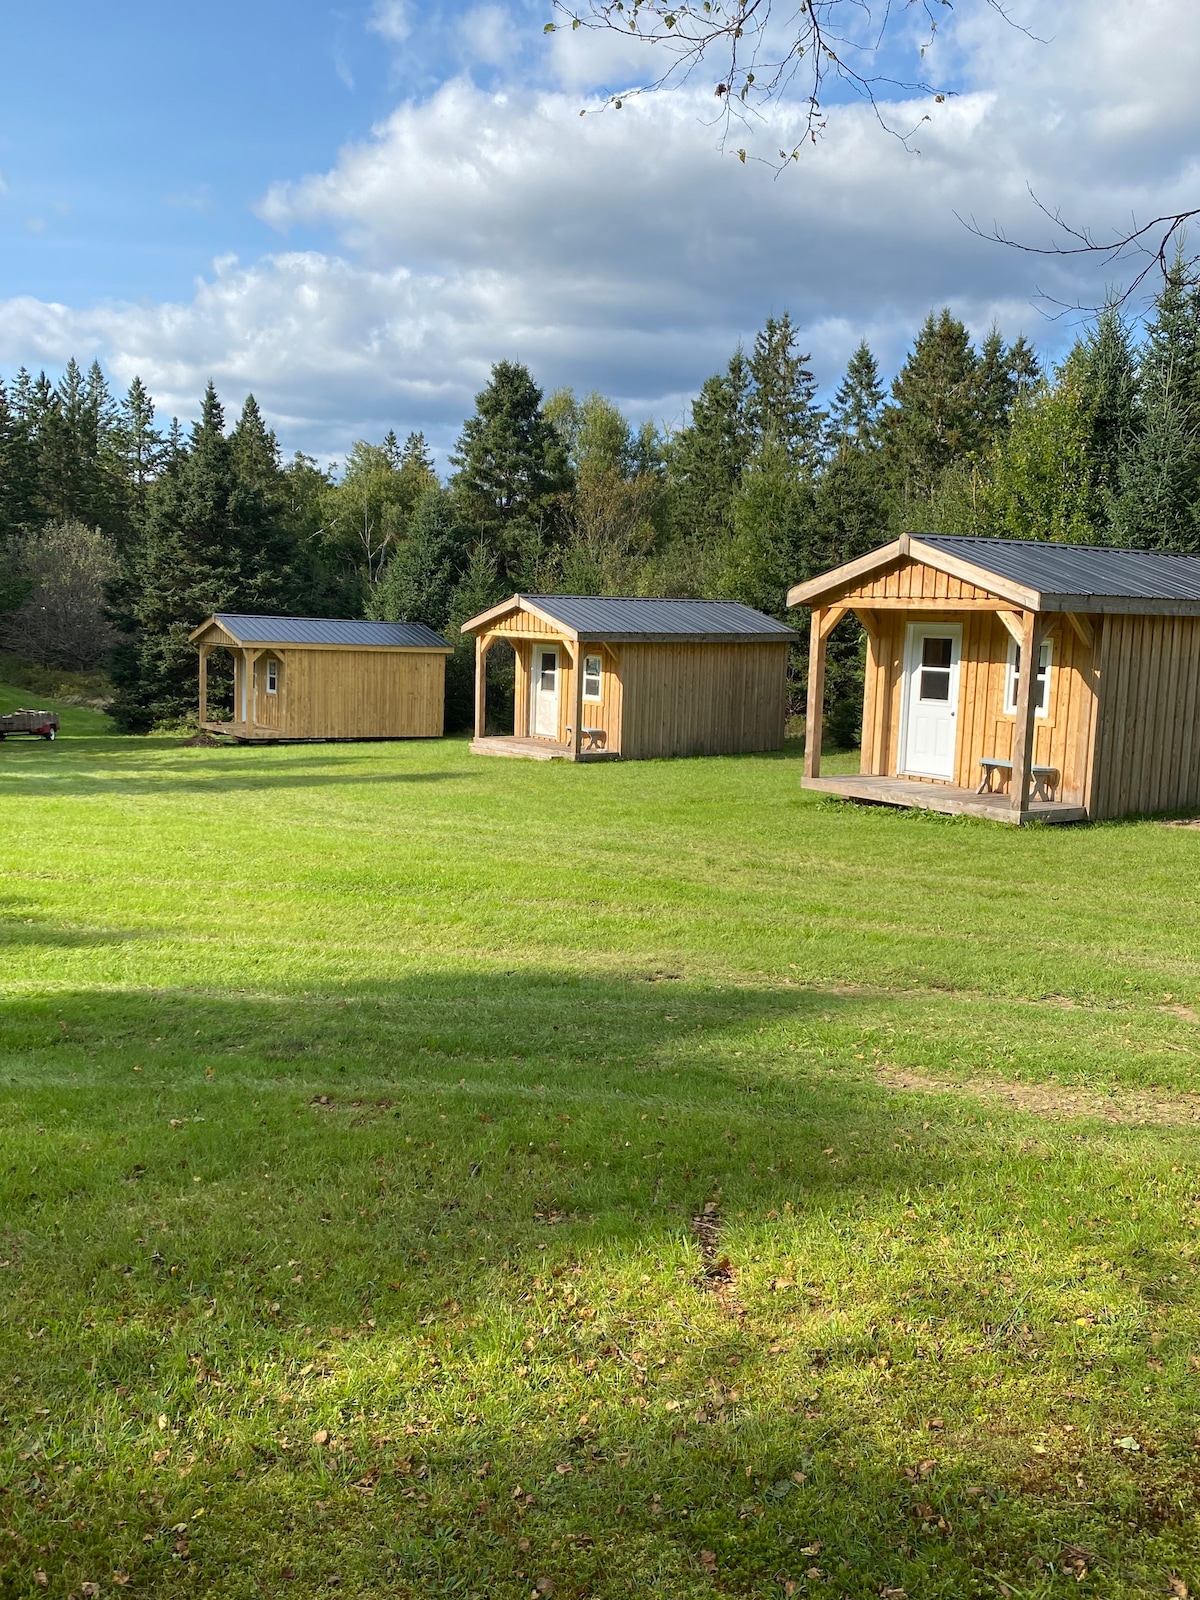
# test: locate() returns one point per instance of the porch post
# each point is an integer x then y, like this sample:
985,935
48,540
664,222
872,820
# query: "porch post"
203,684
577,720
1023,727
481,649
815,713
252,656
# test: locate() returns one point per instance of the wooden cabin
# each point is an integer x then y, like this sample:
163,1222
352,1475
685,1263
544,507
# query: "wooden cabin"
599,678
1106,725
297,678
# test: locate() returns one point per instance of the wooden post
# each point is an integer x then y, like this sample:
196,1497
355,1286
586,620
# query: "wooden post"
577,724
252,656
203,684
815,714
481,649
1023,727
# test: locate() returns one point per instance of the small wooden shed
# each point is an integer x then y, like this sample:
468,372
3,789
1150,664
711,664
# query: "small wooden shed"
1106,725
598,678
297,678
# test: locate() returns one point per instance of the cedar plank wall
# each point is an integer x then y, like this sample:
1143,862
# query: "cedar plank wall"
1147,755
702,699
1063,739
361,694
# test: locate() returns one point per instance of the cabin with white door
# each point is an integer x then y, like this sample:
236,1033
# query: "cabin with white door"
1106,725
598,678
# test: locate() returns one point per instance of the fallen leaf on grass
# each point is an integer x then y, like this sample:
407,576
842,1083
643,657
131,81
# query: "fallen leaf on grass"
1127,1443
121,1579
920,1472
708,1560
321,1436
91,1590
544,1586
893,1594
1179,1589
41,1578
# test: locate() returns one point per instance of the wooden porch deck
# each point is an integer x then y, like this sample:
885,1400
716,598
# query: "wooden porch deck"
947,797
536,749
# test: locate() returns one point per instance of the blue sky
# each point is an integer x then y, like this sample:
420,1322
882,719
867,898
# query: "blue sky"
353,211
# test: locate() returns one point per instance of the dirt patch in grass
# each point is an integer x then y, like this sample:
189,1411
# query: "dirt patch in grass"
1055,1100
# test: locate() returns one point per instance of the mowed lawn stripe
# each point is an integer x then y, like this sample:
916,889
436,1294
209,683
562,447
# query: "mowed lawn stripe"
435,1176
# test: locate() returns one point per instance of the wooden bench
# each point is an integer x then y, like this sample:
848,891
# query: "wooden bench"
593,739
1044,778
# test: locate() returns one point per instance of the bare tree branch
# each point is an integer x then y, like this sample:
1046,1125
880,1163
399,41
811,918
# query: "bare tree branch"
765,51
1154,245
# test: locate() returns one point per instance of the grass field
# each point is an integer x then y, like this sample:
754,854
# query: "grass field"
433,1176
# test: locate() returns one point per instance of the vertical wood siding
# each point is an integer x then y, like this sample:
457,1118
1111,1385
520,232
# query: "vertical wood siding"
358,694
702,699
1147,755
913,580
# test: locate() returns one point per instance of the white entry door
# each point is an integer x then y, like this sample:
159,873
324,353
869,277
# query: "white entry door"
931,699
543,710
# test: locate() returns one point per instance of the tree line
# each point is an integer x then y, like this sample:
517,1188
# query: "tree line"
146,532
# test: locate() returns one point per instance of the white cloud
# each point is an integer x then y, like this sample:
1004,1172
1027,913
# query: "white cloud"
621,250
391,20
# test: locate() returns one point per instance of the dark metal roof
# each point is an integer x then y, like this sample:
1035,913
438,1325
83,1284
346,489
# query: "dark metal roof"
1081,570
599,617
328,630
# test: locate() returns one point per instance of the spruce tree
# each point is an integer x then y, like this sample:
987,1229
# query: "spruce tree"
512,472
1158,472
419,582
780,402
854,417
480,586
214,541
706,459
1107,373
935,417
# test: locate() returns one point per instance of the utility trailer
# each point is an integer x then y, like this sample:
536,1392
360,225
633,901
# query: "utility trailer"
37,724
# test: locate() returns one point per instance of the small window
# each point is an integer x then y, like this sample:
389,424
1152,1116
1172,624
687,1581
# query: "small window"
937,654
272,676
592,668
548,672
1041,689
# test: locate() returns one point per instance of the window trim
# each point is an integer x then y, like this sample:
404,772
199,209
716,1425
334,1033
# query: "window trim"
1046,648
598,675
271,674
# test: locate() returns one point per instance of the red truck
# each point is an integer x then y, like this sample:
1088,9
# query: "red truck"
38,724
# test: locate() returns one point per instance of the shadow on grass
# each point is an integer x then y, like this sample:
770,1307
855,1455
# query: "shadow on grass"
153,772
436,1319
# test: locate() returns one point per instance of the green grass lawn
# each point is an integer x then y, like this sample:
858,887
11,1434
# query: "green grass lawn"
356,1107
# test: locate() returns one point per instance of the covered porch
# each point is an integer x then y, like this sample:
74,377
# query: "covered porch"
951,720
566,689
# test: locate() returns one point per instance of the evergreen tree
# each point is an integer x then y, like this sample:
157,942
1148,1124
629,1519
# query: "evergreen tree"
213,542
420,580
857,410
1107,373
780,402
512,472
706,459
936,415
1158,506
480,586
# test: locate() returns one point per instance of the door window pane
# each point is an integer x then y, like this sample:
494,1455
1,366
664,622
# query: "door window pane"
935,684
936,652
548,670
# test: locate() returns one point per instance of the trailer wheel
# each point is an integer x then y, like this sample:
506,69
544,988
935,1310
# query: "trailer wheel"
49,734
